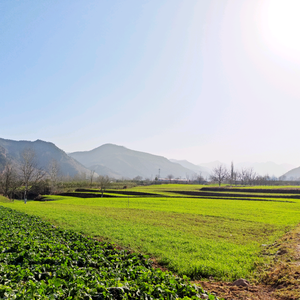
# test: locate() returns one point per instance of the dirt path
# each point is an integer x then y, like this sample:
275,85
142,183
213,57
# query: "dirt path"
230,292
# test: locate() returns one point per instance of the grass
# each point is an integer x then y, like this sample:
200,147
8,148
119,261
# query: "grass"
4,199
191,236
39,261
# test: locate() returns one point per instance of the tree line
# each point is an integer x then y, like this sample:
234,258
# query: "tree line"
28,179
245,176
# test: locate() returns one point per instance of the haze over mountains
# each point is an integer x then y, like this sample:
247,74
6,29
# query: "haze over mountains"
123,162
292,174
204,171
267,168
120,162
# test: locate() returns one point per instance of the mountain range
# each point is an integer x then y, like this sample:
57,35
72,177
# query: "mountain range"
119,162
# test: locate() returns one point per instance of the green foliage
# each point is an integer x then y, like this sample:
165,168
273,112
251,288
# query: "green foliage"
39,261
4,199
197,237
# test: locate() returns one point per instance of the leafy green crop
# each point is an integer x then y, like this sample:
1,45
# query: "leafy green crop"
39,261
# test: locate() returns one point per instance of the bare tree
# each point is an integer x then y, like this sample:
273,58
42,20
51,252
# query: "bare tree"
82,176
138,178
242,176
53,170
251,176
104,182
219,174
283,178
30,172
170,177
231,173
235,177
187,176
9,181
92,174
247,176
200,178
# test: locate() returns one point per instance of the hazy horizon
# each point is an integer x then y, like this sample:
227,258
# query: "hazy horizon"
188,80
262,168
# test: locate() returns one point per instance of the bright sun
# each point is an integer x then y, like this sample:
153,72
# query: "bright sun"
280,26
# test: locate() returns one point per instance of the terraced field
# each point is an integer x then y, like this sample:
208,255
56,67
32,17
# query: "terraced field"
195,235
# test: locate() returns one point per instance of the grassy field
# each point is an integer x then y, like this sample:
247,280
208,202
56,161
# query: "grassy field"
192,236
41,262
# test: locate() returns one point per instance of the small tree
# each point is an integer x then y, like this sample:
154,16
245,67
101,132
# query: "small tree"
170,177
30,172
242,176
251,176
92,174
104,182
138,178
219,174
231,173
9,181
53,171
187,176
200,178
247,176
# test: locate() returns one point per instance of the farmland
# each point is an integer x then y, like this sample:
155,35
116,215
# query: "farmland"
39,261
197,236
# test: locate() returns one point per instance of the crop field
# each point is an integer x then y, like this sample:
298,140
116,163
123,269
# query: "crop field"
194,235
39,261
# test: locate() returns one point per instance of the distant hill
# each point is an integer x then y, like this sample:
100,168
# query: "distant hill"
10,151
292,174
205,172
129,163
119,162
267,168
103,171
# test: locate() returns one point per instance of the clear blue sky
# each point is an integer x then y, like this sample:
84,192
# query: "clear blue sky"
199,79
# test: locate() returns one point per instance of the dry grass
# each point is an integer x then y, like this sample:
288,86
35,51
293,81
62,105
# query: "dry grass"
284,272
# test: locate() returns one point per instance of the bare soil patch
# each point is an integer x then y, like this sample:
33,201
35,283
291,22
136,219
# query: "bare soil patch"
229,292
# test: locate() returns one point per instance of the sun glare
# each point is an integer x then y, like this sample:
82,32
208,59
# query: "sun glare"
280,25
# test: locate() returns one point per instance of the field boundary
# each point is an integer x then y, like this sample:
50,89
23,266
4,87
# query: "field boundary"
280,280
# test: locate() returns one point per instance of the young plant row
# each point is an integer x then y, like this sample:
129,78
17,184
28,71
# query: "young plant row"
39,261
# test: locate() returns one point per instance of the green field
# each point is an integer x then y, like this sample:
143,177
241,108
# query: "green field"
41,262
191,236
